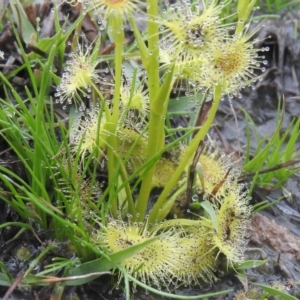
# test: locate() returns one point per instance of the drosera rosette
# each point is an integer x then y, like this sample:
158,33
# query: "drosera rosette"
230,220
251,293
88,134
198,258
80,75
79,191
116,8
235,64
78,185
191,31
157,262
231,234
132,147
184,70
163,171
227,210
217,169
214,170
134,101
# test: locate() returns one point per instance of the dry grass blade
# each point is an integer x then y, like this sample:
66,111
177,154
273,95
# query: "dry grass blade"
13,287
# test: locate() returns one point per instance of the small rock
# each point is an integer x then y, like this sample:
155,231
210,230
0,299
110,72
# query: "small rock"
267,232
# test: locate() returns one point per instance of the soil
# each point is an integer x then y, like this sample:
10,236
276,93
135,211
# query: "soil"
275,232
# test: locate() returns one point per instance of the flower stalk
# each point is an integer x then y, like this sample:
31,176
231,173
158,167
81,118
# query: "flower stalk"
157,108
118,33
156,214
245,7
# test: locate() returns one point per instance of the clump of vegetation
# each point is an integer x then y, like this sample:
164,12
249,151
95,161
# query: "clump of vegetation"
275,159
90,179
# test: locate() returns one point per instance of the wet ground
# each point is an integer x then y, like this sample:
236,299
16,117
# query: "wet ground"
275,233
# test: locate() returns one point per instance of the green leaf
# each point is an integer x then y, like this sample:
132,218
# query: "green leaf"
207,206
262,154
105,263
141,44
28,32
4,280
184,105
179,222
5,276
274,292
166,208
37,260
45,45
163,95
248,264
173,296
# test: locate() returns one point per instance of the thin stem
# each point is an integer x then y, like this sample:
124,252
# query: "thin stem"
244,8
153,40
131,208
117,25
154,146
189,153
107,111
157,111
118,32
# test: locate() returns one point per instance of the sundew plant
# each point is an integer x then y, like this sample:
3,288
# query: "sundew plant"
99,173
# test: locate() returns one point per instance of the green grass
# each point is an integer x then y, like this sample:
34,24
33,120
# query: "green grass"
276,158
276,6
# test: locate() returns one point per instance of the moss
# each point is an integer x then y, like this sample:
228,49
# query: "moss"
23,254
